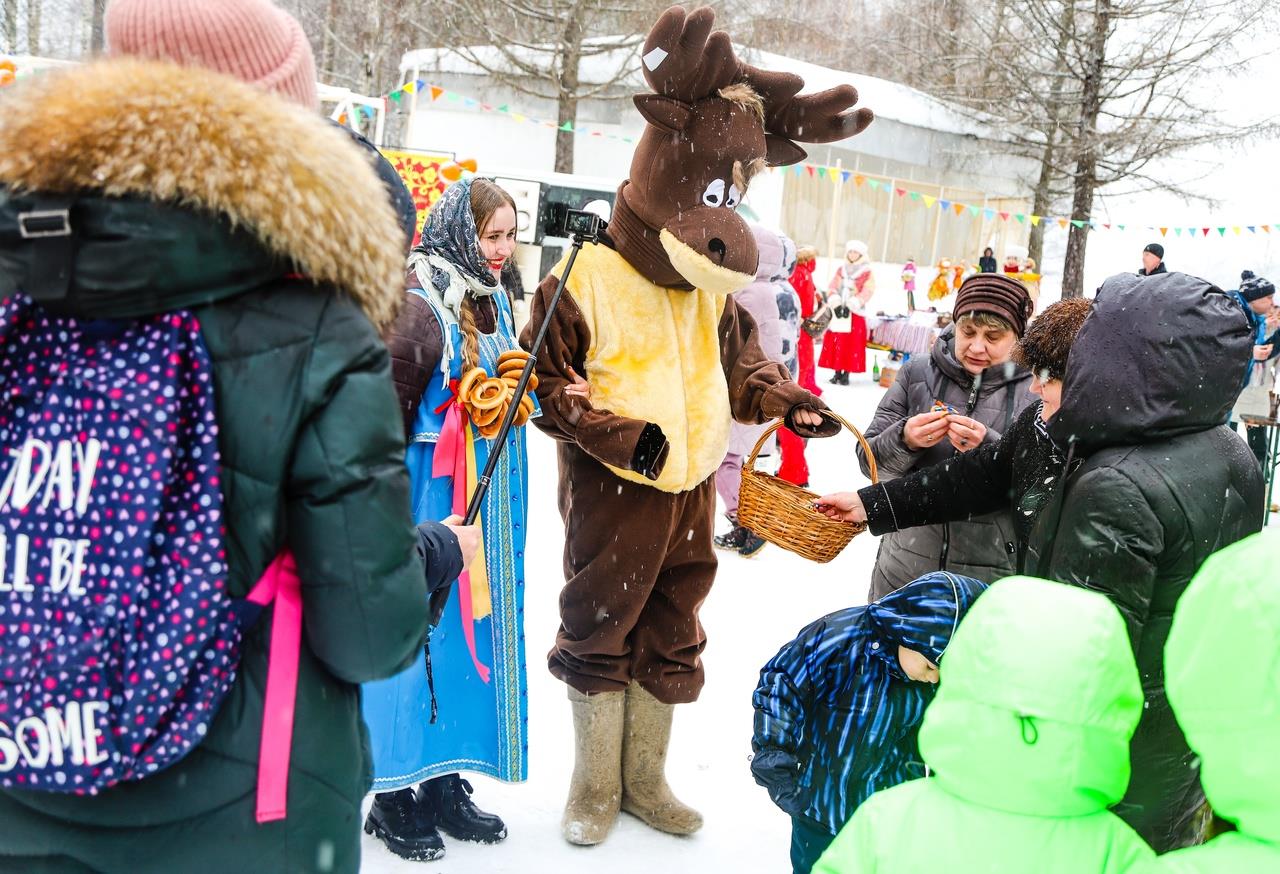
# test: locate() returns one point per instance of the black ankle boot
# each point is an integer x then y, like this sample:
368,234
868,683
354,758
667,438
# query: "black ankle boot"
448,800
733,540
404,826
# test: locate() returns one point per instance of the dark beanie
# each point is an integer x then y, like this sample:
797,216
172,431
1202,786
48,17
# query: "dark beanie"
1256,288
1155,249
1246,274
997,294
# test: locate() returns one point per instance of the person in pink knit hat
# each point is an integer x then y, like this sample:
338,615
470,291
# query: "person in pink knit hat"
252,40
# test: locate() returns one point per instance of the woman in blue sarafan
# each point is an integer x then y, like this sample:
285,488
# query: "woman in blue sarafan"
463,705
839,707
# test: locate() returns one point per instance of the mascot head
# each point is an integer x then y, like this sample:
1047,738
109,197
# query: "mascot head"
713,122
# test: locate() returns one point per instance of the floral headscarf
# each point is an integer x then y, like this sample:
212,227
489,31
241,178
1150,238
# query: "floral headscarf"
450,247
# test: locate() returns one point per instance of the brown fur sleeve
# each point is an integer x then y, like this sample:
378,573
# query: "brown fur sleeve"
760,389
611,439
416,346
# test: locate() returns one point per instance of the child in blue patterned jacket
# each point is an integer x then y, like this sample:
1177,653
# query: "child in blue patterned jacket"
838,708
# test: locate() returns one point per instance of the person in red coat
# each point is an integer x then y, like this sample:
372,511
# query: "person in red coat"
802,282
844,349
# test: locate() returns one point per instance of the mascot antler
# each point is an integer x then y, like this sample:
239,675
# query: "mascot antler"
683,60
824,117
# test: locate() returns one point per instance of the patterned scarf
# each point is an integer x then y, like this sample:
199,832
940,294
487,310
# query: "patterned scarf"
448,258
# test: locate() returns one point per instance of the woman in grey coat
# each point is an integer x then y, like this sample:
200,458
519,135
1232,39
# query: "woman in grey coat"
970,371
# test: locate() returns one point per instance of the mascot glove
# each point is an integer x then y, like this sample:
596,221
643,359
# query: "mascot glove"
830,427
651,452
779,772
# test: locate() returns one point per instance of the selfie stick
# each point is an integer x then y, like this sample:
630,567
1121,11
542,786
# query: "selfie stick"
499,442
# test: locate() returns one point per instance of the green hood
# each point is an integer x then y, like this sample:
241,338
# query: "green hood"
1222,675
1038,700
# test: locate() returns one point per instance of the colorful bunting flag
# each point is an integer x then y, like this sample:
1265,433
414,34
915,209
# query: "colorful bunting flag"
1078,223
1222,232
1164,231
1004,216
859,179
989,213
900,191
929,201
959,208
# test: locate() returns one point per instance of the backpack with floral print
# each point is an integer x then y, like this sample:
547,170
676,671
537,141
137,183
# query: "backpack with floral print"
117,637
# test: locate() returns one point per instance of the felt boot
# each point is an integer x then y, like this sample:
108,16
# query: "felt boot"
645,793
595,790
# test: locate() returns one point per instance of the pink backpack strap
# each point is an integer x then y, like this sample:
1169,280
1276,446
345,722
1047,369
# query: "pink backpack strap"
281,588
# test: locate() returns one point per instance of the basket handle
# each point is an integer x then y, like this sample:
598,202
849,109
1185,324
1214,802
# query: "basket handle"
866,447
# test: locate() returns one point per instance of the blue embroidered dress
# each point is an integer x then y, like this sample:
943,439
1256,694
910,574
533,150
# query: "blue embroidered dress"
482,724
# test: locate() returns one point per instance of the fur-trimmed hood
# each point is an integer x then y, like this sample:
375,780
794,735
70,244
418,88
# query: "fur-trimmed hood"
203,143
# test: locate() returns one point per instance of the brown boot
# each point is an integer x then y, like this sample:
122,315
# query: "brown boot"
645,792
595,791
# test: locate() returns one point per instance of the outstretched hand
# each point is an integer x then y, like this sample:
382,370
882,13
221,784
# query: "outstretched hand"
843,507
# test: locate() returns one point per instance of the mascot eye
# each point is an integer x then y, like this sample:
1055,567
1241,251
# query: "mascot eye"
714,195
735,196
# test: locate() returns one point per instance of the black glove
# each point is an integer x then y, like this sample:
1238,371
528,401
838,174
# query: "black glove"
779,772
830,427
651,452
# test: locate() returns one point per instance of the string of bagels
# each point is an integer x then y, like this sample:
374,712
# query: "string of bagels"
486,398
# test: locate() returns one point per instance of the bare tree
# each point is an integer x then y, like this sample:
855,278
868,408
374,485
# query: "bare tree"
34,7
11,26
1095,91
97,11
537,47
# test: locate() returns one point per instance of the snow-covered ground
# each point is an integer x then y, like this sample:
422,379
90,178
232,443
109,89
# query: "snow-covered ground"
756,606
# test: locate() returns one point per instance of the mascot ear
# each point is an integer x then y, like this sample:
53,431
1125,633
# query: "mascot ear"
780,151
664,112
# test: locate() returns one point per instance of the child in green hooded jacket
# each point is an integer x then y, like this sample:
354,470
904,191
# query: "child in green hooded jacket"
1222,674
1029,738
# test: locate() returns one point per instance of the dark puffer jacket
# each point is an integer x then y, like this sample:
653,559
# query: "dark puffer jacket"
1163,484
309,436
1152,376
983,546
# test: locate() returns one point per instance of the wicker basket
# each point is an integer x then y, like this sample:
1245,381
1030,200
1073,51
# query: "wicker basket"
783,513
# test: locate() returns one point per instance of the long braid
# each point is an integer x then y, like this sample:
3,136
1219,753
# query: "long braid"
470,334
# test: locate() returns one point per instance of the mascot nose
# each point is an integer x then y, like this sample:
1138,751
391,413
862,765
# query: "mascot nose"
717,247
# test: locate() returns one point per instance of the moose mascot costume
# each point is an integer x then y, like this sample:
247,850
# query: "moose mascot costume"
670,358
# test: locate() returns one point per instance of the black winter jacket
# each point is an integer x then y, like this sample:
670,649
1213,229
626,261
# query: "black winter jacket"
1163,485
310,442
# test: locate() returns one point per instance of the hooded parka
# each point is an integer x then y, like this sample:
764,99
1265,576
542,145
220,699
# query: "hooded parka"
1153,374
982,547
1029,738
1222,673
185,189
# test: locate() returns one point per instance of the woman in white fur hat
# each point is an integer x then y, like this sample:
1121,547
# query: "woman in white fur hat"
844,348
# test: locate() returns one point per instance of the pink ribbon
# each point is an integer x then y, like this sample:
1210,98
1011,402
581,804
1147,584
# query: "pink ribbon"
450,459
280,587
